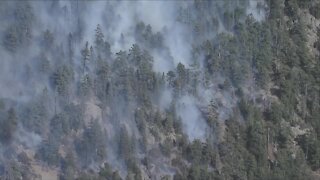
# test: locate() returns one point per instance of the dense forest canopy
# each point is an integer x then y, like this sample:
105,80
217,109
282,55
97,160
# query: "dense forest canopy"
138,90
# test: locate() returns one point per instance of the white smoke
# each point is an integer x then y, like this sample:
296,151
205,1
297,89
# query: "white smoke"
193,123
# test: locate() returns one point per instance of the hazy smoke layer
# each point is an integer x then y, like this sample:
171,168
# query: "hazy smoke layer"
174,27
118,20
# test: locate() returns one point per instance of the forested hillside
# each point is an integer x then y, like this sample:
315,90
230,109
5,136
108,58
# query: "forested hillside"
160,90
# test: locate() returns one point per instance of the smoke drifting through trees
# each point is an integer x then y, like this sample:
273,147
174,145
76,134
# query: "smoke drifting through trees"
124,57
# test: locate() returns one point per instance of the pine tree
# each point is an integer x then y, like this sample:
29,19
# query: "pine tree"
99,42
8,126
85,57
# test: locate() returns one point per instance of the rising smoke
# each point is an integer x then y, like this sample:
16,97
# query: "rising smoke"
21,81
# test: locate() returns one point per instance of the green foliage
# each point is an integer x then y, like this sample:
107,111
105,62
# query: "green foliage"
291,8
166,147
19,32
44,64
289,167
275,113
267,64
85,57
228,19
311,147
256,136
8,125
212,118
122,77
61,79
99,37
35,117
71,119
145,35
305,3
48,40
233,152
49,151
68,166
315,10
102,81
182,78
106,171
126,146
85,85
195,151
92,145
59,125
102,47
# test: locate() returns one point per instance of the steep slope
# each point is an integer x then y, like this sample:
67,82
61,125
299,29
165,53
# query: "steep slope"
160,89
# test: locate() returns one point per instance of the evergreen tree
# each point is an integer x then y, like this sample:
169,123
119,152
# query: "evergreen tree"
8,126
85,57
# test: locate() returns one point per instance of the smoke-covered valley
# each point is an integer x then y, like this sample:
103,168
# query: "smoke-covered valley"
132,89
